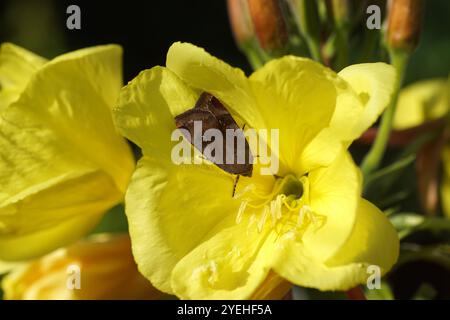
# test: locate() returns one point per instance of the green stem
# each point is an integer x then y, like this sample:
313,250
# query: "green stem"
342,48
373,159
308,22
253,53
254,59
371,38
314,48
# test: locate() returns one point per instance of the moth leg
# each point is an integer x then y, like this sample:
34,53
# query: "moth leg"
235,184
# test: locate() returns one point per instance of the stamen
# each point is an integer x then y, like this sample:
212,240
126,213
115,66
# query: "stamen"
273,209
241,211
246,190
273,216
301,216
213,272
250,223
279,202
263,219
287,206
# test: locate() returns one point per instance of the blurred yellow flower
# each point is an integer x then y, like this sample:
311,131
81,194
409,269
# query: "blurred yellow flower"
62,163
421,102
306,223
103,263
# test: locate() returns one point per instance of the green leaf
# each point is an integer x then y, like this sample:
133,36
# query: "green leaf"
114,221
409,223
389,174
439,254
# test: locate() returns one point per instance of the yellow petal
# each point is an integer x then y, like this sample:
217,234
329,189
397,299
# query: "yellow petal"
321,151
421,102
298,97
106,271
334,194
55,140
54,213
202,71
373,240
171,209
350,266
147,106
17,65
231,264
374,83
5,267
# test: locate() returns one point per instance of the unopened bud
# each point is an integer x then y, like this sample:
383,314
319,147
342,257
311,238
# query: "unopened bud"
269,24
404,24
240,21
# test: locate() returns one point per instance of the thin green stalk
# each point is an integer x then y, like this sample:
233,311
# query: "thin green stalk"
308,22
373,159
342,43
314,48
253,52
254,59
371,38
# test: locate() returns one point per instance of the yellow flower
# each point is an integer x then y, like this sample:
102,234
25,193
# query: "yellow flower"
62,163
307,224
426,101
101,267
421,102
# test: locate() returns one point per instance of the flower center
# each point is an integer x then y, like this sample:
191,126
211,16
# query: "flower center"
286,209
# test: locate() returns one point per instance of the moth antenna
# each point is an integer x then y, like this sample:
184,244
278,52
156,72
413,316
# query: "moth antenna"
235,184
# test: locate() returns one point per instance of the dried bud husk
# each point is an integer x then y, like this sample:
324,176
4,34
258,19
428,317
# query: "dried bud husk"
404,24
427,168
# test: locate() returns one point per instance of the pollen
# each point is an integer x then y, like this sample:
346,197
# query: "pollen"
285,210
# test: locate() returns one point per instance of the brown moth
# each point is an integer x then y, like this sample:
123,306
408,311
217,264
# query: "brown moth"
212,114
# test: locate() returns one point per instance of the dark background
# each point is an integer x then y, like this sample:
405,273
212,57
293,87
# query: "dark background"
146,29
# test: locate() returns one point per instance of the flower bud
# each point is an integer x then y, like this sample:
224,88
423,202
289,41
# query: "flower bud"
404,24
240,21
269,24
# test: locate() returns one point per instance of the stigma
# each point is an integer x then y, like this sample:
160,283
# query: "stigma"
285,210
